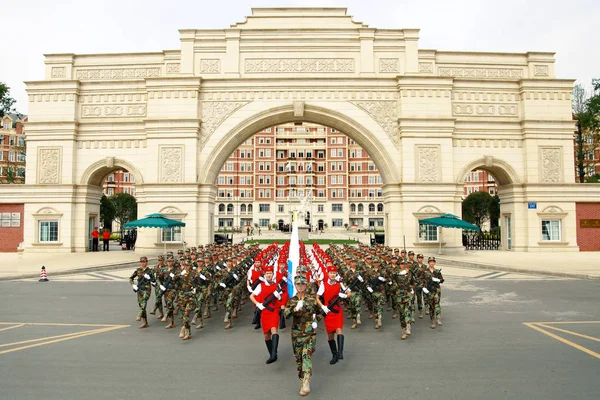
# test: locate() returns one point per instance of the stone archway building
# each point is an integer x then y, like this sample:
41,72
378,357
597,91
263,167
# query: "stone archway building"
426,117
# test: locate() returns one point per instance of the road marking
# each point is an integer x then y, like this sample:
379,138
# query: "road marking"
570,332
500,275
59,324
12,327
565,322
71,336
489,274
48,337
560,339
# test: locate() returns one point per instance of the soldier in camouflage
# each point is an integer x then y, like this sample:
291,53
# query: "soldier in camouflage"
158,294
143,287
404,283
431,280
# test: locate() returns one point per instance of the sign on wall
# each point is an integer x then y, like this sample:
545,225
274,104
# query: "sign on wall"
532,205
10,220
589,223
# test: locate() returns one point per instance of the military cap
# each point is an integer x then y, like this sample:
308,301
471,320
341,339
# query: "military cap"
299,279
169,254
170,259
420,255
431,259
143,258
411,253
179,251
394,257
194,249
161,257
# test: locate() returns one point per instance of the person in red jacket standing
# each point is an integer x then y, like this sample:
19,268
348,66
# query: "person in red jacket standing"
281,277
105,239
329,296
267,298
95,235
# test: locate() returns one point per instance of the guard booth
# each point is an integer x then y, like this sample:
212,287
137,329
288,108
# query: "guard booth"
223,238
378,238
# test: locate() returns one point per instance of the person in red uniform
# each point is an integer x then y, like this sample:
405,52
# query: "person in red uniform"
254,277
267,298
281,277
329,295
105,239
95,235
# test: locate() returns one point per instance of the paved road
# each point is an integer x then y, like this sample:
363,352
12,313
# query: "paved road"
483,351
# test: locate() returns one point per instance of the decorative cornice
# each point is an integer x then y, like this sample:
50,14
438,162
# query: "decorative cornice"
481,73
298,65
113,74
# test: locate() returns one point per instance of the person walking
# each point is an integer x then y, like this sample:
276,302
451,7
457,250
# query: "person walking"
142,287
105,239
266,298
95,235
328,298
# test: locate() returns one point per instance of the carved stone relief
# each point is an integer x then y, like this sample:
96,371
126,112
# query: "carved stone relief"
487,73
171,164
385,113
173,68
425,68
551,165
48,166
113,110
214,113
485,109
116,74
540,70
427,164
210,66
389,65
58,72
299,65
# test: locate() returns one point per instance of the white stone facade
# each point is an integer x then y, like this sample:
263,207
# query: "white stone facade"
426,117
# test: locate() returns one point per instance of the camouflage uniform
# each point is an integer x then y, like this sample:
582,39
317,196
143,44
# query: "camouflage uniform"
435,293
405,288
158,294
202,294
354,306
304,336
377,279
186,284
145,280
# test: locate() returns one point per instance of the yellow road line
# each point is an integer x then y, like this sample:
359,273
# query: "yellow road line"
55,324
49,337
63,339
564,322
560,339
12,327
570,332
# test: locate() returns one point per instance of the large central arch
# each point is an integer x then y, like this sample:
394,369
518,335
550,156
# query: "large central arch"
211,161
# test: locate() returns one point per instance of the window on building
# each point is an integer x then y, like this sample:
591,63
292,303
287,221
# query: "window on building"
379,192
321,193
321,167
428,233
492,191
264,222
243,208
221,180
336,207
11,156
280,208
21,141
371,179
20,172
11,141
358,152
359,180
551,230
7,125
337,222
111,191
361,208
320,154
333,179
48,231
371,207
352,207
21,157
371,192
264,208
320,208
380,207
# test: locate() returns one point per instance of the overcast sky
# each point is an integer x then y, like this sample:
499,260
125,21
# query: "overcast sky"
32,28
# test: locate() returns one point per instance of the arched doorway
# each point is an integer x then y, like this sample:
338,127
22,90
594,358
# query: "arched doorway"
321,224
280,224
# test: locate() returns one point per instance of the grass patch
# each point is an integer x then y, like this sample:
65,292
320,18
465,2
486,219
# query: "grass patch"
318,241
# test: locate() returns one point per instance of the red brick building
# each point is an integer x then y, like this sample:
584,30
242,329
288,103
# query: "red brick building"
11,227
12,149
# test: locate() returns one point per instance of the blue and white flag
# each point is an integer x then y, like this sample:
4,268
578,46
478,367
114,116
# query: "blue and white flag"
294,255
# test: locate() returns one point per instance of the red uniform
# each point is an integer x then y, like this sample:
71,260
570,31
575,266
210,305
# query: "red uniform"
284,296
333,320
268,319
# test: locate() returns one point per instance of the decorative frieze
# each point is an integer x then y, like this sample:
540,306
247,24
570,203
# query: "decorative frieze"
389,65
385,113
111,144
481,73
426,68
299,65
112,98
49,165
171,164
116,74
342,95
478,96
214,113
428,163
210,66
59,72
540,70
113,110
488,143
551,165
173,68
485,109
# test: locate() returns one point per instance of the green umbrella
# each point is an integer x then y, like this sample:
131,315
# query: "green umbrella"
154,221
449,221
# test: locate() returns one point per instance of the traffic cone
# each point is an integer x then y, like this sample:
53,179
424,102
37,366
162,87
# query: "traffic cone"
43,276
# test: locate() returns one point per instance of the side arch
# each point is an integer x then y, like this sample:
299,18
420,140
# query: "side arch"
377,150
95,173
502,171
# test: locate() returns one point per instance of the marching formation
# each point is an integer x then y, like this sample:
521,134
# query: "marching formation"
198,280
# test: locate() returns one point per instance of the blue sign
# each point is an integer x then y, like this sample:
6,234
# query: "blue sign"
532,205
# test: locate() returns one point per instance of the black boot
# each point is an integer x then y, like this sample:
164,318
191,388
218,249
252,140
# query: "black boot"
340,343
269,344
257,326
275,344
334,352
281,320
256,317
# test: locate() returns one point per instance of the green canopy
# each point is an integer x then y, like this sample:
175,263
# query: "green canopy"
450,221
153,221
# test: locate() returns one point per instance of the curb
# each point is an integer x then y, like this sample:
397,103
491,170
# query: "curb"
132,264
466,264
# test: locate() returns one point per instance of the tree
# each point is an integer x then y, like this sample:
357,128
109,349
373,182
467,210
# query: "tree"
6,102
586,111
125,208
107,212
494,211
475,208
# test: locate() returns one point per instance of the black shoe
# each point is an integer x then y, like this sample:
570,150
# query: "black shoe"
269,344
334,353
340,343
275,344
